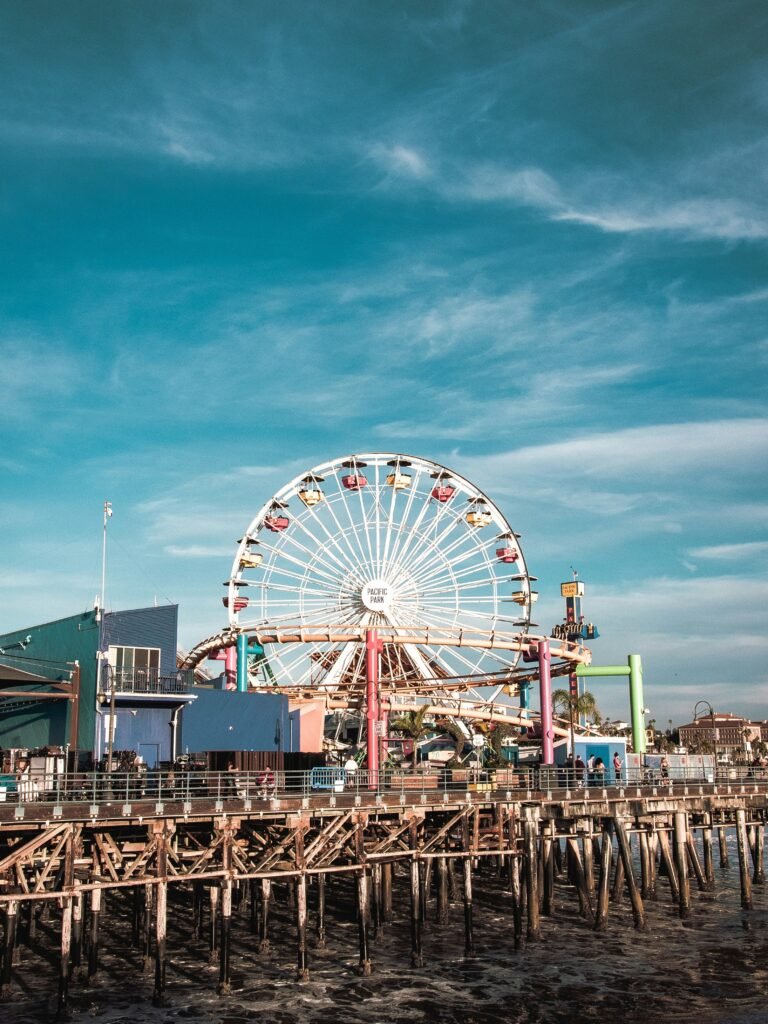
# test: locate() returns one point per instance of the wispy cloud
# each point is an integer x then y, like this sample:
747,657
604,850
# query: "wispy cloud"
731,552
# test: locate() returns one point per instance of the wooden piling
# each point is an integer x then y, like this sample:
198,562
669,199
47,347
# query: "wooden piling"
706,845
213,931
320,917
758,875
266,895
681,862
62,1004
588,858
741,841
364,963
638,910
530,833
548,873
604,883
442,890
77,932
9,944
669,867
578,878
469,937
376,900
722,839
695,863
93,935
161,913
517,899
386,891
416,955
225,933
302,959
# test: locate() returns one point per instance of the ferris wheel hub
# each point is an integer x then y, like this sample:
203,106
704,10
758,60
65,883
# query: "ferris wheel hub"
377,595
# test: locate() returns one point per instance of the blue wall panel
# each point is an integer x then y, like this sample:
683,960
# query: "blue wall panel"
226,720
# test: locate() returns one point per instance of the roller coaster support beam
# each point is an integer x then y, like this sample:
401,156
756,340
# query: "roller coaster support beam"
545,696
242,663
633,669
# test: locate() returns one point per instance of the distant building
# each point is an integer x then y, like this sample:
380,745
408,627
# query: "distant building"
74,695
726,733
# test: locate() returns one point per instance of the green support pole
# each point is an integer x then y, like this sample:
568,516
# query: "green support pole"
242,663
633,669
636,703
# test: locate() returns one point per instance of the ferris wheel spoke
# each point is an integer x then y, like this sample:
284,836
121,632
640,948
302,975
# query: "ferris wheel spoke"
343,499
453,568
333,572
311,572
400,553
404,515
440,546
413,561
340,557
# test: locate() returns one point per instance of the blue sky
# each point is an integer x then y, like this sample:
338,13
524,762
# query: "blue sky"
527,241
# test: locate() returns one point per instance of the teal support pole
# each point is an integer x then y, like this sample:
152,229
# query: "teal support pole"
636,703
242,663
633,669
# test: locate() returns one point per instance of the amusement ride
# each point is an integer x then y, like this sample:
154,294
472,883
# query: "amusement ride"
381,583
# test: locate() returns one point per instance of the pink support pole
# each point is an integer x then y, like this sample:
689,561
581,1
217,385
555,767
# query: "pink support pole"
545,703
373,647
230,667
384,707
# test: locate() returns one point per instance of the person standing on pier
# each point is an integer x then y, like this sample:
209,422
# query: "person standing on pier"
617,767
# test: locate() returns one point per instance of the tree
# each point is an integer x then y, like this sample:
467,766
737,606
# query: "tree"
584,704
451,728
412,724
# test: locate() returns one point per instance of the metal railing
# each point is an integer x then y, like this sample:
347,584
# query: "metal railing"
138,681
190,787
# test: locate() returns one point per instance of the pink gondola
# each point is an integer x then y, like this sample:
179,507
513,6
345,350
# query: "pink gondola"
240,603
507,554
276,523
353,482
443,492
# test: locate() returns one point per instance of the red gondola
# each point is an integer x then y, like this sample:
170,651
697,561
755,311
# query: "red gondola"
443,492
354,479
507,554
276,523
240,603
353,482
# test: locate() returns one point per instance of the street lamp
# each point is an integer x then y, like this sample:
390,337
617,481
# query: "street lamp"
696,716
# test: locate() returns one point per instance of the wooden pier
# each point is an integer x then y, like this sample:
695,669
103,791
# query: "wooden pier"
636,842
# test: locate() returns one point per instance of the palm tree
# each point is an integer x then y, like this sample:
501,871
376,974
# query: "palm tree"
412,724
451,728
575,705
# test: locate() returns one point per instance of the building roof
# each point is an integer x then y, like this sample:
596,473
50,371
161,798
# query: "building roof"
10,674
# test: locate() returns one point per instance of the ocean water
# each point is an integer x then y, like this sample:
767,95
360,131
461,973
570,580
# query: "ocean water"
710,969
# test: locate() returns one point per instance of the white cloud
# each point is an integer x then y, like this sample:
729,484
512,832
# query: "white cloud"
198,551
748,549
402,161
700,218
660,449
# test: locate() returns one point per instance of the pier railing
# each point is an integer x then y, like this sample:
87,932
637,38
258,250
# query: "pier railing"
190,787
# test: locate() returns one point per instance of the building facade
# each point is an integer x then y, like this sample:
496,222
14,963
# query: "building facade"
726,735
112,682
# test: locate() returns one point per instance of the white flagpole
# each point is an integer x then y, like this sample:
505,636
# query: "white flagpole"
101,655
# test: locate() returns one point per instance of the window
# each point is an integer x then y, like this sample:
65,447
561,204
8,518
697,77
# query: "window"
135,668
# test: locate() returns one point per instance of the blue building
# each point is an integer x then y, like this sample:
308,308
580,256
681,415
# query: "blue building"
92,679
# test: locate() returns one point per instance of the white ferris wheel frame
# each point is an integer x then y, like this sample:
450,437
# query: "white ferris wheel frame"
438,571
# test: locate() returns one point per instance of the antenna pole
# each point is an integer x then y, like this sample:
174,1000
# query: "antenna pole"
101,654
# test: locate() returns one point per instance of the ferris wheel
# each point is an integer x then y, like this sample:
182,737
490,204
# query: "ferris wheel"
389,542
